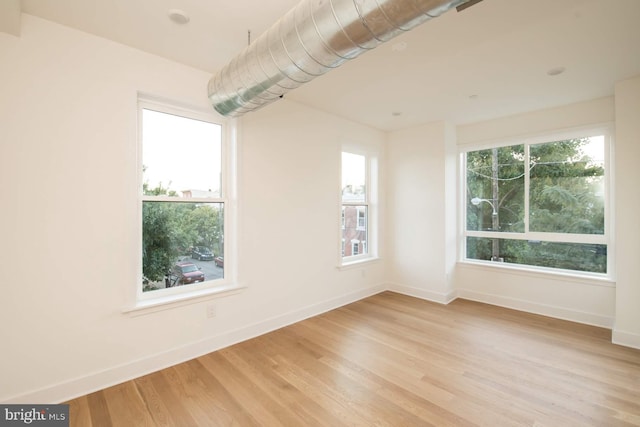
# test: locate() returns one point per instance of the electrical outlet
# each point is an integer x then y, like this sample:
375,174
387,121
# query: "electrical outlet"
211,310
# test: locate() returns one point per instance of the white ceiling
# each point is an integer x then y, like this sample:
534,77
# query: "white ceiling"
488,61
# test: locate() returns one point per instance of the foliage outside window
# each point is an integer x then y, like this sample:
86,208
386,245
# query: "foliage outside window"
183,203
539,204
355,206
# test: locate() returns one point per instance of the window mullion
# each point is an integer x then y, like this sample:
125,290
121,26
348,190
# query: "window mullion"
182,199
527,180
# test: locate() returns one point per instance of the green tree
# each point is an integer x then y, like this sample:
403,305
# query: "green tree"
504,166
205,223
565,190
171,229
158,248
565,196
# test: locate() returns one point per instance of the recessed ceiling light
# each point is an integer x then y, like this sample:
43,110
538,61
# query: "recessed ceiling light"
556,71
178,16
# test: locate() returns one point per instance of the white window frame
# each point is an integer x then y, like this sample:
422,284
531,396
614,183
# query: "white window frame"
371,203
606,238
160,299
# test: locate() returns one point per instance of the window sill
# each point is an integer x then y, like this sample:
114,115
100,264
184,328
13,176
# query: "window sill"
148,306
357,263
522,270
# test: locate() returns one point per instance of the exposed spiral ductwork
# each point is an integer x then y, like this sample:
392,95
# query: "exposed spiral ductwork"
311,39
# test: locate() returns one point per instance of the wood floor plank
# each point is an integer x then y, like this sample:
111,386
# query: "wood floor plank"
352,402
158,403
174,398
391,360
127,406
409,402
80,413
242,392
99,409
194,385
403,372
250,357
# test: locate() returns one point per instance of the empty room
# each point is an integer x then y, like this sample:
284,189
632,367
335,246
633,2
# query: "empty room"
320,212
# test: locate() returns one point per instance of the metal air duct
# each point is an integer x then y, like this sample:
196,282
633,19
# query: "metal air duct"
311,39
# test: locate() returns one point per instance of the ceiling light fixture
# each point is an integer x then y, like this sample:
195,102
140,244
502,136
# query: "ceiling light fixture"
178,16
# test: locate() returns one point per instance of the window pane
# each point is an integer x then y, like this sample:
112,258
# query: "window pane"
354,177
495,189
181,156
567,186
182,243
569,256
354,233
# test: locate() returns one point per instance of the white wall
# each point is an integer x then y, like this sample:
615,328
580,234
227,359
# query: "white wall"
290,206
627,176
421,205
581,300
422,222
69,217
69,212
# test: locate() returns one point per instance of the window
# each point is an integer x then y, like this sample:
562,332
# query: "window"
184,200
541,203
355,247
357,206
362,218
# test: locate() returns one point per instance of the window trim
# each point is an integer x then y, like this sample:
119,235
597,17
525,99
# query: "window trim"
144,302
607,238
371,203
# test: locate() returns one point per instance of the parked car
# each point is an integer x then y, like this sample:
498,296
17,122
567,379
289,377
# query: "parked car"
201,253
184,273
219,261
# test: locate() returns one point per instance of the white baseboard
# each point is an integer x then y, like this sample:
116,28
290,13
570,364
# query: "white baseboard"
627,339
536,308
81,386
99,380
439,297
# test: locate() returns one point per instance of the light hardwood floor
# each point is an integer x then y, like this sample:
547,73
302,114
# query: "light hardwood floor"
391,360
